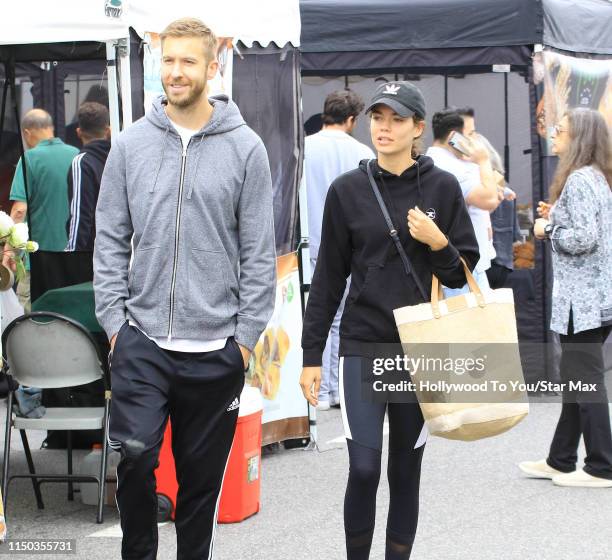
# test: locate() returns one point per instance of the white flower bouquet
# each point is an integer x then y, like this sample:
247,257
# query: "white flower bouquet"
15,238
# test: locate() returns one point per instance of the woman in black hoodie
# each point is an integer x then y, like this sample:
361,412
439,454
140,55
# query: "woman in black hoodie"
432,224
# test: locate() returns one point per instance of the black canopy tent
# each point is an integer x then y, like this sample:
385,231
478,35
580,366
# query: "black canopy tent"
48,65
352,36
46,72
266,87
455,39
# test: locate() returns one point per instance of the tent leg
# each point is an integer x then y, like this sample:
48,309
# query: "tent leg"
113,93
123,51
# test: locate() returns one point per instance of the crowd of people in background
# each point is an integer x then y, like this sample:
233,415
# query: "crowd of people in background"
56,193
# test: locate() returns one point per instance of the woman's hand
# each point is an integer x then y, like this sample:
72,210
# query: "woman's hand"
538,228
543,210
424,229
310,382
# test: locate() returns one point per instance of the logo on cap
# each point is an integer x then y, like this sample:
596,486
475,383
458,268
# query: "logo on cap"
391,89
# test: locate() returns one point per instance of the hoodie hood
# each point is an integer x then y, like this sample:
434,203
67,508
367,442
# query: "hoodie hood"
423,165
98,149
225,117
409,178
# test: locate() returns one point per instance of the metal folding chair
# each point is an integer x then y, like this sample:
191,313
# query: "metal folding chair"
50,351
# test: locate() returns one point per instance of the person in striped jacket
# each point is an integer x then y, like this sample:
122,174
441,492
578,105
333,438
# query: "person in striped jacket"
84,177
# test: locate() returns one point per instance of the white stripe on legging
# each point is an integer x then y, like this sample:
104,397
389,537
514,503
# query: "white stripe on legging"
422,439
345,422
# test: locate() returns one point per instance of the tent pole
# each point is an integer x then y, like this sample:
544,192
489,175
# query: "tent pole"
506,131
123,50
11,77
306,273
3,107
445,90
113,94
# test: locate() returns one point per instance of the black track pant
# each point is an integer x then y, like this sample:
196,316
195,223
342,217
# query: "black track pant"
197,391
363,426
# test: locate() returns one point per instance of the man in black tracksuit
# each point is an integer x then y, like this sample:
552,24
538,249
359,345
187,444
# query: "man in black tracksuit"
84,180
85,175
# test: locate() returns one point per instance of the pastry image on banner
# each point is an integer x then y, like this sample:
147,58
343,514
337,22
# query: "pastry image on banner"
276,361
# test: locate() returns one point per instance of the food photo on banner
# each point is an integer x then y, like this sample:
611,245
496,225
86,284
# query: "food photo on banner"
276,361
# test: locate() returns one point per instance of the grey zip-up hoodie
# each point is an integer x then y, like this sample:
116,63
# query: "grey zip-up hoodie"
201,224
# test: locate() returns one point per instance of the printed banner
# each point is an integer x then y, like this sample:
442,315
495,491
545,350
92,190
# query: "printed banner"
221,83
276,363
562,83
570,82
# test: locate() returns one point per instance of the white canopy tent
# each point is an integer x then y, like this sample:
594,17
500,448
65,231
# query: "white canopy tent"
264,21
37,22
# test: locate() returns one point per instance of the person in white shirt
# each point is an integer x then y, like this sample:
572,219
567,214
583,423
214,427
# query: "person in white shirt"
328,154
476,179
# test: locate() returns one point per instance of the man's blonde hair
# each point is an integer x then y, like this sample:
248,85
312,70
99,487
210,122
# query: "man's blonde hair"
192,27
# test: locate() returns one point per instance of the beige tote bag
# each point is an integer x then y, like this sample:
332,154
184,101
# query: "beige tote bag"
468,380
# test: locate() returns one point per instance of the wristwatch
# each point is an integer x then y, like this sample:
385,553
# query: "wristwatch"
548,229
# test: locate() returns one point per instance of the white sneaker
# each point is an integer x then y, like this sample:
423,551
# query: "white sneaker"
323,405
581,479
538,469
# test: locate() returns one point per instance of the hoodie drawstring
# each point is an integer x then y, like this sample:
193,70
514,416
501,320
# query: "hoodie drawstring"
195,172
419,190
161,157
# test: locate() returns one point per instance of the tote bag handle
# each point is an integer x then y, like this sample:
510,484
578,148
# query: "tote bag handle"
437,293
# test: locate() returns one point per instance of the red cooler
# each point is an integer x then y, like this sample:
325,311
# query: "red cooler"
241,486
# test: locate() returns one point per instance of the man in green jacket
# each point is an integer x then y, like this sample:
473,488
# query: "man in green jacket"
45,201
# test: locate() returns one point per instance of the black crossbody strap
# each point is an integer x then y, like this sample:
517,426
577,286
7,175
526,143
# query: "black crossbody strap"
394,235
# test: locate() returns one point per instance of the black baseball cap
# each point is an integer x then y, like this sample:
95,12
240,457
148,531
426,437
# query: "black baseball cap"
403,97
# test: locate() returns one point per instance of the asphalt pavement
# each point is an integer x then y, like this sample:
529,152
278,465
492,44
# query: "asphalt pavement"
475,505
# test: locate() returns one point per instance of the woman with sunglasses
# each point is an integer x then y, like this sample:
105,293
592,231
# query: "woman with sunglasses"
578,224
431,223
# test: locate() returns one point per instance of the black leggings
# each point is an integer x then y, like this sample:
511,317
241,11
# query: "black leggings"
363,423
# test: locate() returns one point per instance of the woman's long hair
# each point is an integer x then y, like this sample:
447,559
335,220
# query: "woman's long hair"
589,144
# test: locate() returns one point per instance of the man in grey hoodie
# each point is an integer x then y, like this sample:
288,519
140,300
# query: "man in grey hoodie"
187,195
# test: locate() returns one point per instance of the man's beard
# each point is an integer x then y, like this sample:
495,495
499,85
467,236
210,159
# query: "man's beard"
192,97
